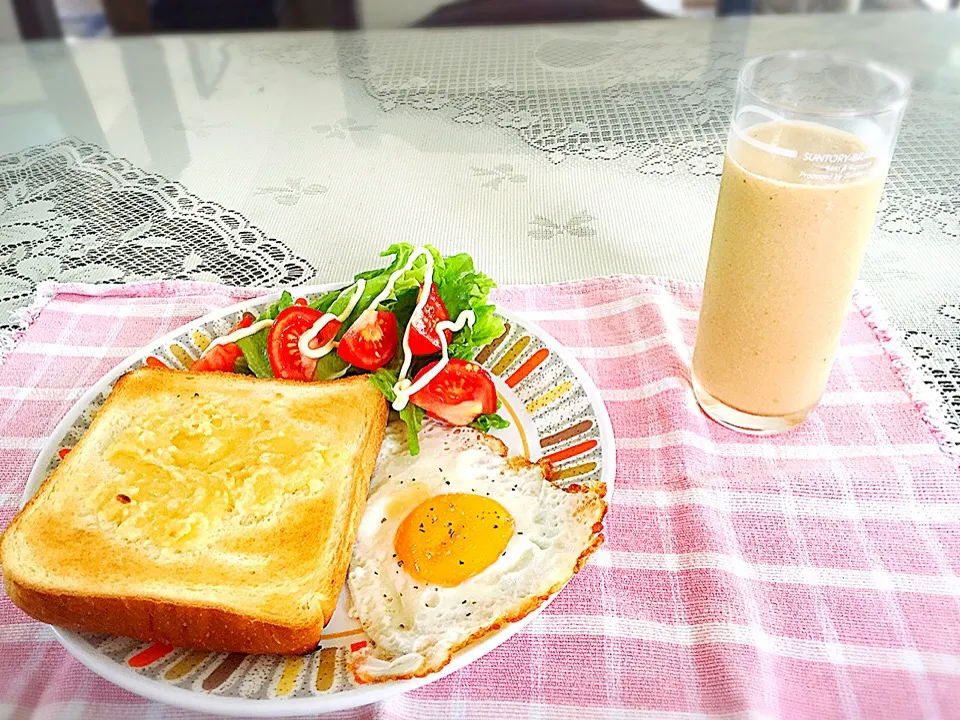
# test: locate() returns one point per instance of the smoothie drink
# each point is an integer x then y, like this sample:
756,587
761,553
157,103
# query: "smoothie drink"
809,146
788,240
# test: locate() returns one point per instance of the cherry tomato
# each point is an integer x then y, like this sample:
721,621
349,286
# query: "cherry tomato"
300,301
458,394
423,325
156,362
284,338
371,342
221,358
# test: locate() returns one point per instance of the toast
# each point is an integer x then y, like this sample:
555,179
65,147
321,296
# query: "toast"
204,510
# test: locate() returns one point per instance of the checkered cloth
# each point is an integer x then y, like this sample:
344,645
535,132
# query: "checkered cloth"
812,575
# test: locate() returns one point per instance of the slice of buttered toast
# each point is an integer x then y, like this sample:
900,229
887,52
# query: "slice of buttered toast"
204,510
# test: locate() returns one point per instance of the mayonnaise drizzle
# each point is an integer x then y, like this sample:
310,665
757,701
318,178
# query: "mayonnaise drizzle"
361,286
418,309
404,388
238,335
303,344
428,273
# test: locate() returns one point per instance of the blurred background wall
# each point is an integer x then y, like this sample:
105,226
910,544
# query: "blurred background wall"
95,18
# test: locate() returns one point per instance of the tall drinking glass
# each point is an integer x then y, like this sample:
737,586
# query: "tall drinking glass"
810,142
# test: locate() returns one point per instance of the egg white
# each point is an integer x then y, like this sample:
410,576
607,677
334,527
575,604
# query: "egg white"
416,626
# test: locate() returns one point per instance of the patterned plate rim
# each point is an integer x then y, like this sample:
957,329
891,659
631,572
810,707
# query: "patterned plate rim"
151,689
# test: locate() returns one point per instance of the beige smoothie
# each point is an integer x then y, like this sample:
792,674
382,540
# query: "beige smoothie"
788,240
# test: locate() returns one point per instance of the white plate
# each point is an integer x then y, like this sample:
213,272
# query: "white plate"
554,409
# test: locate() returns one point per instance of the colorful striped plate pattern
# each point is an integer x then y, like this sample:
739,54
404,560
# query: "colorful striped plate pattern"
555,412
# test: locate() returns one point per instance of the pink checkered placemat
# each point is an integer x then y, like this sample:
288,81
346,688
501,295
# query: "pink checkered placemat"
813,575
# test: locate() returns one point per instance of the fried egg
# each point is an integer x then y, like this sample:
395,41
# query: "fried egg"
454,543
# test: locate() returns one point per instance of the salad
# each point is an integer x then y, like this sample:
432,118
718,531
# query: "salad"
413,327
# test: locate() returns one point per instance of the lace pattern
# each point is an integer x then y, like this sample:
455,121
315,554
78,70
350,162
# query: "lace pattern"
654,99
530,126
72,212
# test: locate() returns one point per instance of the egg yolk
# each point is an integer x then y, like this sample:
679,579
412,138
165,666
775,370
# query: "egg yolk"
449,538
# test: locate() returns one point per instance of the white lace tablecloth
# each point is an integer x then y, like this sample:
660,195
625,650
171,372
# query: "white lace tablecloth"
548,153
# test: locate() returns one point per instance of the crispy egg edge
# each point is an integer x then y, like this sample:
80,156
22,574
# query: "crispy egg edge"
596,503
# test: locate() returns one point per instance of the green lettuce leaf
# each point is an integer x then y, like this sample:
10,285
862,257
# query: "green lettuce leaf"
401,253
330,367
384,380
404,288
486,423
241,367
285,301
403,307
324,302
486,329
459,284
254,347
413,417
462,287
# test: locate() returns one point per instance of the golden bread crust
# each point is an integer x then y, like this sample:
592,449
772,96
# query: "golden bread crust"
188,623
190,626
363,471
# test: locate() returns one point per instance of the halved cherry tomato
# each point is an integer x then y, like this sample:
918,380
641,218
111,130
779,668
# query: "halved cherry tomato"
300,301
371,342
222,357
423,325
458,394
284,337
